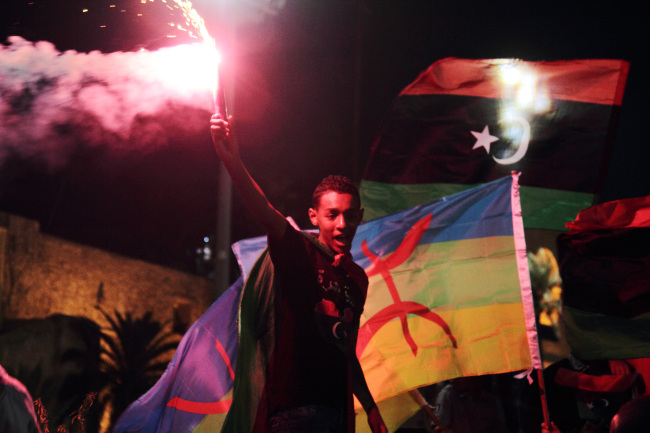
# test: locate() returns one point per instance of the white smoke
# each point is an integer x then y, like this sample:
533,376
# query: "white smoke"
50,100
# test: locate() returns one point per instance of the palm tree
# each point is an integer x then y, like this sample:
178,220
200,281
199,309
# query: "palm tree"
135,353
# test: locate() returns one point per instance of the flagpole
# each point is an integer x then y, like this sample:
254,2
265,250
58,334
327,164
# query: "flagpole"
542,397
419,399
540,383
224,191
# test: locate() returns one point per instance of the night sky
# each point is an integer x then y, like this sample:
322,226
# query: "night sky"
313,80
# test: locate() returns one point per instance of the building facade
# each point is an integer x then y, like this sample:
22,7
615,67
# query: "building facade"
41,275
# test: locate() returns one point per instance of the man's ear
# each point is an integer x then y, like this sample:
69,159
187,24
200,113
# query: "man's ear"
312,217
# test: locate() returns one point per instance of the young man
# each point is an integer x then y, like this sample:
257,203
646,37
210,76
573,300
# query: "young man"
318,298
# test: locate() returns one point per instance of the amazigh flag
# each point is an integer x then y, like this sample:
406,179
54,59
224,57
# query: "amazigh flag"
465,122
449,295
605,267
195,392
449,292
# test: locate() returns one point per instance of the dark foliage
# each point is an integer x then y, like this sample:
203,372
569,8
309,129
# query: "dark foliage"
135,354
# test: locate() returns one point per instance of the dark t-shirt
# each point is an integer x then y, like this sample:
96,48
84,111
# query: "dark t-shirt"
317,307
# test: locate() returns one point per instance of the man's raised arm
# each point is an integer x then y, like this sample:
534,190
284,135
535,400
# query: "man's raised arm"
225,143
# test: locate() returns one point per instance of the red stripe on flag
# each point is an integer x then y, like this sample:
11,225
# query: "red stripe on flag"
224,355
211,407
631,212
588,382
403,252
403,308
602,81
200,408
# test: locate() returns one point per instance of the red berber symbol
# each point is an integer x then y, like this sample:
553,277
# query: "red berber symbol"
399,308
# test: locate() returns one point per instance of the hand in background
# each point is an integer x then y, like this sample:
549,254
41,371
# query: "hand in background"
552,429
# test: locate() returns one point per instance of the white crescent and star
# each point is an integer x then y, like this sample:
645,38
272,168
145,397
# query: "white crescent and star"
484,139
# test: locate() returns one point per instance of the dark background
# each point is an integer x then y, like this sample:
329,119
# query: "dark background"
312,83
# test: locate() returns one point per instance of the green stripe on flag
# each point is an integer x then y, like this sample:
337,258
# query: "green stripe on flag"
380,199
599,336
551,209
542,208
450,275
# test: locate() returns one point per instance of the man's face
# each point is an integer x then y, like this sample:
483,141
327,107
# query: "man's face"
337,218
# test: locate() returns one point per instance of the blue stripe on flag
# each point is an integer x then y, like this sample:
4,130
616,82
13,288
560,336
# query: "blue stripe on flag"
480,212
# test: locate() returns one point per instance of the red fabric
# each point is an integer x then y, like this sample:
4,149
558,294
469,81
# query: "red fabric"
589,382
642,365
631,212
601,80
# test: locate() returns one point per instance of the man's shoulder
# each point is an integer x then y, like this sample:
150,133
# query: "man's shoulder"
291,239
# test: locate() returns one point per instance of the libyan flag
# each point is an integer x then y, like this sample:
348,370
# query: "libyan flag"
465,122
605,267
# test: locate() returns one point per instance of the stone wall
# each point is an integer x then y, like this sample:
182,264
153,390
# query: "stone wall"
42,275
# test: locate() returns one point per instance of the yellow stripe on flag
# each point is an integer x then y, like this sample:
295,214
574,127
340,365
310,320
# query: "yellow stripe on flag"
213,422
490,339
394,411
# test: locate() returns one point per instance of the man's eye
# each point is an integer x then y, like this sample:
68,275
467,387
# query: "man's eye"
353,216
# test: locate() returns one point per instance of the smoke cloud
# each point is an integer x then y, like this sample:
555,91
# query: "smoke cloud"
51,101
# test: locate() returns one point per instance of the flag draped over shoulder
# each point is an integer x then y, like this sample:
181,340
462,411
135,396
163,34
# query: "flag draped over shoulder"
449,295
248,412
195,392
605,267
465,122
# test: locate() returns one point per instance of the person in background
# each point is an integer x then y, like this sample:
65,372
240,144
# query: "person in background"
465,405
16,406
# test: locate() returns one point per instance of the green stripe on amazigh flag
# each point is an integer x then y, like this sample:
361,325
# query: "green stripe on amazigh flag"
451,275
542,208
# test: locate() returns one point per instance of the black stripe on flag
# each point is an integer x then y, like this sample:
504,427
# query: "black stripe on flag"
428,139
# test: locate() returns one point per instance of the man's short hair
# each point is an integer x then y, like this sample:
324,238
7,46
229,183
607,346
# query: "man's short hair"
340,184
